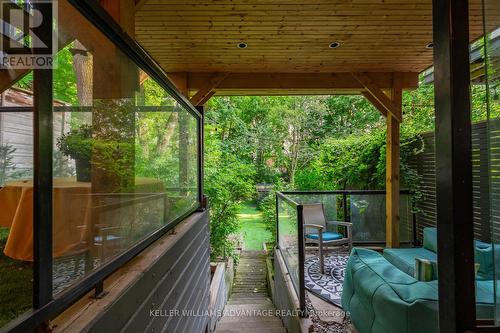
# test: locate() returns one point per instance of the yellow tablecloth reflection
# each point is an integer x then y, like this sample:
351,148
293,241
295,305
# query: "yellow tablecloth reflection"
71,215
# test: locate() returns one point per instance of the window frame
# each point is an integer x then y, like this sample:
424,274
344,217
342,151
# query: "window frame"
45,305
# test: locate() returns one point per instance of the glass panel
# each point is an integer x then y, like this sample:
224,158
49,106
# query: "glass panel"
331,202
368,218
288,238
16,199
125,162
492,81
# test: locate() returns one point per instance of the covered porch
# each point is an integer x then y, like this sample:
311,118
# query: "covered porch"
139,217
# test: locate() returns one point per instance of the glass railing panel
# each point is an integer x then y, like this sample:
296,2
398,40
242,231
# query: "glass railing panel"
288,237
368,212
332,203
368,217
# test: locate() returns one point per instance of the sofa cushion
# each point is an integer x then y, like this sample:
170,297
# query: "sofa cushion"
381,298
430,239
485,257
425,270
404,258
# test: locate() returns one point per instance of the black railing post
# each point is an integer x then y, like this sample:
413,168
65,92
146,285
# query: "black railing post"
414,224
302,285
344,206
277,221
200,152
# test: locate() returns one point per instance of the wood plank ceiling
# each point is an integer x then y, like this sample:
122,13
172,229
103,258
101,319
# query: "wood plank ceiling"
289,36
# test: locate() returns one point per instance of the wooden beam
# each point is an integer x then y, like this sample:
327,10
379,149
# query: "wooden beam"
392,166
375,103
139,4
143,76
123,11
294,83
207,91
180,81
377,93
206,98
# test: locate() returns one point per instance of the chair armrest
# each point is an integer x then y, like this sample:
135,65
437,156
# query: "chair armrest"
316,226
346,224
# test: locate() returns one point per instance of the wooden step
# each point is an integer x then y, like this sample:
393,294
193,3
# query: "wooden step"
249,296
258,301
267,319
250,329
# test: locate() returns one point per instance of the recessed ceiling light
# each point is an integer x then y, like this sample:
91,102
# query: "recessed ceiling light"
242,45
430,45
334,45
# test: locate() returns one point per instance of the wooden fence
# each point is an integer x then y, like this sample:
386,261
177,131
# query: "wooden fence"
486,189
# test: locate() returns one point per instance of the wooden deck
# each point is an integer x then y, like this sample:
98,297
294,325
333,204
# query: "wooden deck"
249,305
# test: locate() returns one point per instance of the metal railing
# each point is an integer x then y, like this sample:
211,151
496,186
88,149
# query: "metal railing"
364,208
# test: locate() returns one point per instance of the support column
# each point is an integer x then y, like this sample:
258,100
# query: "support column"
392,166
390,106
457,311
392,183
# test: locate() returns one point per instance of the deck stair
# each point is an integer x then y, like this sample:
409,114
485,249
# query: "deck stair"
249,299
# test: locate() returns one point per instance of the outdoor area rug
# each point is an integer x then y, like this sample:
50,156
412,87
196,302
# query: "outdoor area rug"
329,285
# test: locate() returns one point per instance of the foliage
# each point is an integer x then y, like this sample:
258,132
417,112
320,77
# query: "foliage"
6,161
16,287
253,228
64,78
268,208
77,143
228,182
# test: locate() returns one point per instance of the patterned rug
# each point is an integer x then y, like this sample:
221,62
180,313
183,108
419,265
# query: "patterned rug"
329,285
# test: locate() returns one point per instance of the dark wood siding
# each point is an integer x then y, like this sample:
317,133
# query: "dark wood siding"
180,279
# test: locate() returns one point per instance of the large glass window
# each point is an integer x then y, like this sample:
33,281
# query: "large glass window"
125,158
124,155
492,81
16,196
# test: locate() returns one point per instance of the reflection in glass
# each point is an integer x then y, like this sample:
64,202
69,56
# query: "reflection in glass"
16,198
125,162
288,238
491,267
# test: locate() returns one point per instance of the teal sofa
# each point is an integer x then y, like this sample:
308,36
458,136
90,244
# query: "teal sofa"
379,297
404,258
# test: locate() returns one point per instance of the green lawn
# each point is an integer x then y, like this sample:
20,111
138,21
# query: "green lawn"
15,284
253,228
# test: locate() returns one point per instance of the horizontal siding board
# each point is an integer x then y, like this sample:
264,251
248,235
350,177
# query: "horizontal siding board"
485,180
180,278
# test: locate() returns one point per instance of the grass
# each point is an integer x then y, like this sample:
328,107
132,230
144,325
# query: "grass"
15,284
253,227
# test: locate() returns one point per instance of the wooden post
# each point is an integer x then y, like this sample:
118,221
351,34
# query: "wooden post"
455,227
392,167
391,108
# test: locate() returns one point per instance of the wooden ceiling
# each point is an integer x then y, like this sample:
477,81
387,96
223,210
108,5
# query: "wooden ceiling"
290,36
